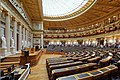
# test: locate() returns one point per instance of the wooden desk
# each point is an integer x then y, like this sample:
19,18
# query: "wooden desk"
60,53
53,60
106,61
65,65
32,50
82,76
85,59
17,73
61,62
95,59
91,75
32,58
71,70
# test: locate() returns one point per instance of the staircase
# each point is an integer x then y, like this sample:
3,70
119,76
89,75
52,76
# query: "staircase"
8,61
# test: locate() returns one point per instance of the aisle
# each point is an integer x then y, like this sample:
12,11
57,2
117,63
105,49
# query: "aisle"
39,71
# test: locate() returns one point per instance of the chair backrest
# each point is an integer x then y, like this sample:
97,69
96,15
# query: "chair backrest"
11,76
12,66
1,73
9,69
4,78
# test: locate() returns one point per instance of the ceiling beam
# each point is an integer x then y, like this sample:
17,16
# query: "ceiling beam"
118,1
110,5
100,10
40,8
26,9
94,14
87,17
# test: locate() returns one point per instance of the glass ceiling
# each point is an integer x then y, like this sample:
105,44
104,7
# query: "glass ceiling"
55,8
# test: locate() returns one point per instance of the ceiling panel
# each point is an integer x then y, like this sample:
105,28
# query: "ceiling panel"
100,9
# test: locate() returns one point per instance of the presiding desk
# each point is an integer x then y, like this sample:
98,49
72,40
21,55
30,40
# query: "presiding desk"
92,75
32,58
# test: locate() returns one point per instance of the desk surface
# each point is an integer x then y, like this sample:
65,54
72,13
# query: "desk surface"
89,74
18,71
106,59
73,68
59,65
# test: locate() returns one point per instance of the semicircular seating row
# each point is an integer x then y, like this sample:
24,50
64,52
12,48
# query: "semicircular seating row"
83,64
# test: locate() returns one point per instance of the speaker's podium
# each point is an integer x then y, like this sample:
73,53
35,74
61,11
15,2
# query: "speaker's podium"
24,57
25,53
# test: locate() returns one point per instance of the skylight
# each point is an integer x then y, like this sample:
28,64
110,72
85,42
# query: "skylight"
55,8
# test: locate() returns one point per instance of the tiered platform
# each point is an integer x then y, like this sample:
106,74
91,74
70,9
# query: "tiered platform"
86,64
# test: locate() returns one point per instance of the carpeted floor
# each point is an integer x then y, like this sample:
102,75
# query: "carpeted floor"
39,71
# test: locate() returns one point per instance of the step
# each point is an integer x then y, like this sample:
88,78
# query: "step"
9,63
10,60
5,66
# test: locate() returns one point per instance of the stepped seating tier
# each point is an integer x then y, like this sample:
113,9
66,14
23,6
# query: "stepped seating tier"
71,70
8,61
91,75
106,62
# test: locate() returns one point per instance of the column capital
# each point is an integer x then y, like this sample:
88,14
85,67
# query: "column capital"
23,26
19,23
6,13
26,29
13,18
1,9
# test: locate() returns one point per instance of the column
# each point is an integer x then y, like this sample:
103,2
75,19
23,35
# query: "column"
31,40
24,37
7,31
28,39
26,45
0,19
15,33
0,10
42,35
20,38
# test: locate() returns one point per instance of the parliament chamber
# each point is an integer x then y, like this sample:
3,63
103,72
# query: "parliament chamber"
59,39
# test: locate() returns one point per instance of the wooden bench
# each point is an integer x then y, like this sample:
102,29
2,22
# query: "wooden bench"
65,65
60,62
50,68
106,61
92,75
71,70
95,59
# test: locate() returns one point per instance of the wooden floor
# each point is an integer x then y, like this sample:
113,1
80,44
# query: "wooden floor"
39,71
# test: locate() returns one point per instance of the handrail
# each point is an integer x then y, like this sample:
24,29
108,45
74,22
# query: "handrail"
26,72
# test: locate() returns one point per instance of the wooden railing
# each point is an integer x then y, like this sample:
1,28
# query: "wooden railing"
60,53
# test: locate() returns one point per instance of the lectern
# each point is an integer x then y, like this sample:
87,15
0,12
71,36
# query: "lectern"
25,55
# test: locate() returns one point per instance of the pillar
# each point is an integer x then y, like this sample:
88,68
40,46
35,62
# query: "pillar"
26,44
42,28
0,19
31,40
24,37
15,33
20,38
7,31
0,11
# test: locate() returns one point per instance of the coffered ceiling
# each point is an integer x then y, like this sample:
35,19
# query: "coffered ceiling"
99,10
33,9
